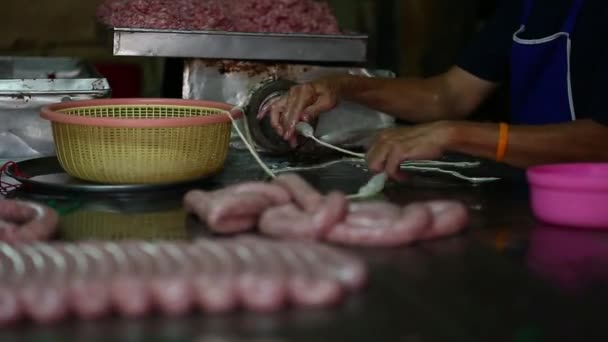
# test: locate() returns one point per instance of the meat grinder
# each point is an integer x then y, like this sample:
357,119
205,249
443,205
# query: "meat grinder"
251,69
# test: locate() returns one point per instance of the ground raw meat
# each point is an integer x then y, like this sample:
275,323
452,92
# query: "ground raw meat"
284,16
304,213
49,282
277,16
166,14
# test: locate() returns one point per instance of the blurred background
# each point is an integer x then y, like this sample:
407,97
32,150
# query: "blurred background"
409,37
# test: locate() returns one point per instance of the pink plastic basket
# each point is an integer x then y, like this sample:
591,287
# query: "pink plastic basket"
573,195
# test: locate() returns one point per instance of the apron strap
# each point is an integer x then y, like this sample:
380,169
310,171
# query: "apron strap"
572,16
570,22
527,11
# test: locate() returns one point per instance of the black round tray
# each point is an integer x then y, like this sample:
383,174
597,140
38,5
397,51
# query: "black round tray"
46,174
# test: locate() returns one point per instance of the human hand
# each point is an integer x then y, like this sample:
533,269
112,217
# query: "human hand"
393,146
303,102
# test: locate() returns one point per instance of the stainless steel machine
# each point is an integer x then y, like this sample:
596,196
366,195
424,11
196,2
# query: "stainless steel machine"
250,69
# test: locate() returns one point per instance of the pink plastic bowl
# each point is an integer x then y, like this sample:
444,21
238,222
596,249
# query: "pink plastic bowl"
573,195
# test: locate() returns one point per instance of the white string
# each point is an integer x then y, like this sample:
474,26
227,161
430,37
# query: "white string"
452,173
323,143
307,131
249,147
374,186
316,167
377,183
435,163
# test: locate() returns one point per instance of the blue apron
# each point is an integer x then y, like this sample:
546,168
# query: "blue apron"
541,91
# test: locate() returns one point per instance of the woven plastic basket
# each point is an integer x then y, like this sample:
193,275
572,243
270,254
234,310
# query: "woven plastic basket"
140,141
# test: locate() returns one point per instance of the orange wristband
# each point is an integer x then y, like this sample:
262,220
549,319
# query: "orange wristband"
503,141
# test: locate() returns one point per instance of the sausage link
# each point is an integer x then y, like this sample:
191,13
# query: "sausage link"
405,229
12,271
256,290
271,271
91,298
449,218
44,296
347,269
308,287
129,291
216,288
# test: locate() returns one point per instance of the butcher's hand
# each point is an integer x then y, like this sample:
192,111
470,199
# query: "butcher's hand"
393,146
303,102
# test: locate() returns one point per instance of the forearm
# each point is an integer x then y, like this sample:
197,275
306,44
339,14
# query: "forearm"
452,95
578,141
412,99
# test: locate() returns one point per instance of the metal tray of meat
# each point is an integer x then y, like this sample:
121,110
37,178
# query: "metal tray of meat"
347,48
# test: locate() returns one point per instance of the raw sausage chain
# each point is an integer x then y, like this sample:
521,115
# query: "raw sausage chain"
289,207
26,221
48,282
